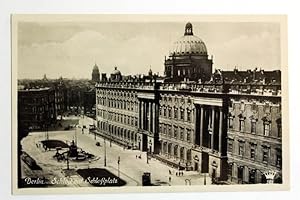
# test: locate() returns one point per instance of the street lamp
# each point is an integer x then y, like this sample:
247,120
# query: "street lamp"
104,152
68,162
119,167
110,139
147,156
75,135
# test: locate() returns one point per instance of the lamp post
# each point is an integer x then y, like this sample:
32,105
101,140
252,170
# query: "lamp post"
110,139
147,156
104,152
75,135
68,162
119,167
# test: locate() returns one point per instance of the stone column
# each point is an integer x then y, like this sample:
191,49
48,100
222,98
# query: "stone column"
149,115
220,129
246,174
193,136
184,154
146,116
167,148
201,125
212,127
153,116
142,114
139,111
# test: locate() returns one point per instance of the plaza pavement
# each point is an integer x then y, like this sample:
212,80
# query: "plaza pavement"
131,168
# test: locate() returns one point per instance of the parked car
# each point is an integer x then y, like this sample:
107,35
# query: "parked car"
92,127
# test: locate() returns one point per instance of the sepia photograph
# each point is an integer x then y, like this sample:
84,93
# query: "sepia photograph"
146,103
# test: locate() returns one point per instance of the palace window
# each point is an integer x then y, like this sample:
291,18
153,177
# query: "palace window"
170,131
188,135
188,116
181,133
182,114
175,113
175,131
189,101
241,149
265,155
182,100
267,127
242,108
278,158
253,126
160,128
170,112
254,107
242,125
165,112
181,153
189,155
176,151
230,145
267,108
279,127
230,122
165,129
252,153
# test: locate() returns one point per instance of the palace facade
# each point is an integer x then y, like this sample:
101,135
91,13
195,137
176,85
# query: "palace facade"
227,124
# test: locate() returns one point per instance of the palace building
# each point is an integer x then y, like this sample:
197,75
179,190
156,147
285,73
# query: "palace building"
227,124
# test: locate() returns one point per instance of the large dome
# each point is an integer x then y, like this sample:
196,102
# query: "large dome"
189,44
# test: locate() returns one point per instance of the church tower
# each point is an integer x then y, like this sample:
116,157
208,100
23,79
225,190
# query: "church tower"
95,74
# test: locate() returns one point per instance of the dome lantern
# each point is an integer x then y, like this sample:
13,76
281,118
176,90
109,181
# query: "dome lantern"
188,29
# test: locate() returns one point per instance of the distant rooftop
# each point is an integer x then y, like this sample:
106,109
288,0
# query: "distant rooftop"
33,89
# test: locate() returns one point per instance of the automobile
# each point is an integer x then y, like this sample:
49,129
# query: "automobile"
92,127
98,144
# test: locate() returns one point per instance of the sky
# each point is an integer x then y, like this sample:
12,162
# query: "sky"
71,49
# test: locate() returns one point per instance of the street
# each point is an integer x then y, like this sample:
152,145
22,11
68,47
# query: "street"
131,167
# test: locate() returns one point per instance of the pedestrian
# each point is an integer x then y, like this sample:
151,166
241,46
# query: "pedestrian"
135,156
176,174
182,173
169,178
170,173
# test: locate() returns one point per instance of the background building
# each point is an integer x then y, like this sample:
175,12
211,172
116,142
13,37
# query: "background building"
36,108
95,74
